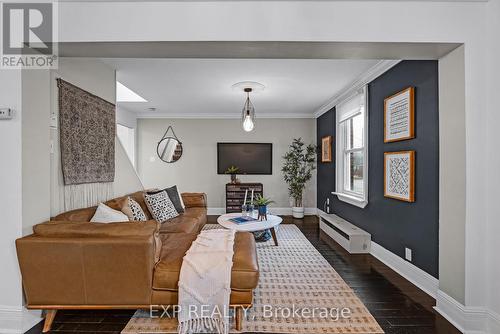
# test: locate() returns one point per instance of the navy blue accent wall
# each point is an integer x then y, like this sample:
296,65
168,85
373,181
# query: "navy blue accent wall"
395,224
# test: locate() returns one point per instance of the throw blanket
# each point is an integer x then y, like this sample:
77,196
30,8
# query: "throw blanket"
205,283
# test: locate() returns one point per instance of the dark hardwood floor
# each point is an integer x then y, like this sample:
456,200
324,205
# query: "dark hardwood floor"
397,305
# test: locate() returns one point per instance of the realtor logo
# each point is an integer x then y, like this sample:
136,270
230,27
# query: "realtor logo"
29,35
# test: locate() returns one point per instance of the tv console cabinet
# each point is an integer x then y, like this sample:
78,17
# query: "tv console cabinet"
235,194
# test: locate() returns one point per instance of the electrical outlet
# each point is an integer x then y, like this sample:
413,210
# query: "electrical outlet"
408,254
6,113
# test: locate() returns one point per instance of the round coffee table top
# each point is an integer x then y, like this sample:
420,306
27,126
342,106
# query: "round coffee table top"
255,226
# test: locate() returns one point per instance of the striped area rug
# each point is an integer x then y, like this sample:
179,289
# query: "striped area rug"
293,276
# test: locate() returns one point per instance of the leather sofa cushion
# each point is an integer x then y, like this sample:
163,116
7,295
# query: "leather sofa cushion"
245,271
78,215
191,221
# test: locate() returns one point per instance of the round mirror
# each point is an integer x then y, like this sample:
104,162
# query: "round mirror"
169,149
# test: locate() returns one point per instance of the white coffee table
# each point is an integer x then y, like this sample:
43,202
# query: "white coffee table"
269,224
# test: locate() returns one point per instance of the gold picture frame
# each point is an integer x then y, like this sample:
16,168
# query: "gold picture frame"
399,116
399,175
326,149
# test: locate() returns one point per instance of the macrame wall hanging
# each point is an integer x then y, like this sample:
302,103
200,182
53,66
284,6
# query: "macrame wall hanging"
87,139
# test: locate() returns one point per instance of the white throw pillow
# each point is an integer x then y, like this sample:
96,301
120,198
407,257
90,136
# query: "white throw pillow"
104,214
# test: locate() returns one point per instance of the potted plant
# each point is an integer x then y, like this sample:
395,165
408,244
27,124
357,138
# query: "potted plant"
233,170
261,203
299,162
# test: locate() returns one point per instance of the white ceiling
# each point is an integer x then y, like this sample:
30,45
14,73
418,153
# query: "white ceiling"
202,87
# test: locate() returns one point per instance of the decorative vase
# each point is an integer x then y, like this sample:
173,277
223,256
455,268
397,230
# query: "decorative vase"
298,212
233,179
262,212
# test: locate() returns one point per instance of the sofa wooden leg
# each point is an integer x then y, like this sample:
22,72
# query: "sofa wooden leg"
238,317
49,319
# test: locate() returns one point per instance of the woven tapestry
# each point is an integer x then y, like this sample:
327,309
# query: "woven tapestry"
87,136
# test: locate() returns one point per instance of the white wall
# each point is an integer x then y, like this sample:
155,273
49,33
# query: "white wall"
126,178
452,175
128,119
13,318
197,168
493,164
36,148
125,117
97,78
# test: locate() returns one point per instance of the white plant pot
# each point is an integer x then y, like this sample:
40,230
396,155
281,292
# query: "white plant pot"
298,211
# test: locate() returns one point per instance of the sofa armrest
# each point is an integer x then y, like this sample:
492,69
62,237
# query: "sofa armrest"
88,270
194,200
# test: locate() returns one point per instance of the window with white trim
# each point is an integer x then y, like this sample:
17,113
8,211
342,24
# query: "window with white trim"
352,149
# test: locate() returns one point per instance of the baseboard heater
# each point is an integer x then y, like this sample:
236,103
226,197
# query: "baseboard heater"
347,235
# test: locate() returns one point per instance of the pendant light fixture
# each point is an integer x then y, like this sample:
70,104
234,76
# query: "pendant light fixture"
248,113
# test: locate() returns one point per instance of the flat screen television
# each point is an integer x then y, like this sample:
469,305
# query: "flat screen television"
250,158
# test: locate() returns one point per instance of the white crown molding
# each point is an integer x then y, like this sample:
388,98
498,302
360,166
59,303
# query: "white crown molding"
415,275
146,115
374,72
18,320
468,320
272,210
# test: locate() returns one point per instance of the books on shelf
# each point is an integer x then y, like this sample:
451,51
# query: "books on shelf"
243,220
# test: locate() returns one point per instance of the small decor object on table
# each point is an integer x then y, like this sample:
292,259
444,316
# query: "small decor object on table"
261,202
247,208
233,171
297,170
399,175
399,115
260,228
326,149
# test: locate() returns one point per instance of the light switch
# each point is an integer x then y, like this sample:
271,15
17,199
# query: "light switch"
6,113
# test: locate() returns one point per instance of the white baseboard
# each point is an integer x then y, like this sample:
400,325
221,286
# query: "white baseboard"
18,320
469,320
273,210
415,275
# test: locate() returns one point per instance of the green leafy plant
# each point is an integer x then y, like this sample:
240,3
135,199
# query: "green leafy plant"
232,170
261,200
299,162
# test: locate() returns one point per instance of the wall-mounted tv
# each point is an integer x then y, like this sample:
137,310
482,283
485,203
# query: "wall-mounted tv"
250,158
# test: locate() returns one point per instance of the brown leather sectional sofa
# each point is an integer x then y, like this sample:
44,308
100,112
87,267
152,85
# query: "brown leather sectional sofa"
70,263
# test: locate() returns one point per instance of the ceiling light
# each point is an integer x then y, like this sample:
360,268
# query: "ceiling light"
248,113
125,94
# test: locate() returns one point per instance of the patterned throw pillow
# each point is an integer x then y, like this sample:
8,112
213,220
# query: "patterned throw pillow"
133,210
160,206
174,195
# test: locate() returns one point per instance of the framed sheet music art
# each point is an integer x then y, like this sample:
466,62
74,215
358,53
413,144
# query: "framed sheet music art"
399,116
